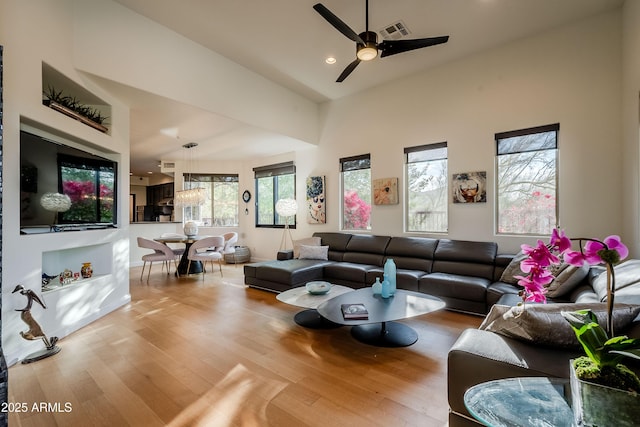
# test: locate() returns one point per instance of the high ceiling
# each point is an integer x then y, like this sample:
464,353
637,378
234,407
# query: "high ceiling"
287,42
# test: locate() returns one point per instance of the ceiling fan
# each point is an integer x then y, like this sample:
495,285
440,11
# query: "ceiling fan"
367,46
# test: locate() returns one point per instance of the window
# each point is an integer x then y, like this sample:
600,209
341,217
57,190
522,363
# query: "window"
91,186
356,192
527,180
273,183
221,206
427,193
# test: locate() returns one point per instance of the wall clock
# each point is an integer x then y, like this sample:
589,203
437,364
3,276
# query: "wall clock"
246,196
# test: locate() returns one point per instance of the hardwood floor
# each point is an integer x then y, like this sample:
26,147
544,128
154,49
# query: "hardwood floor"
194,352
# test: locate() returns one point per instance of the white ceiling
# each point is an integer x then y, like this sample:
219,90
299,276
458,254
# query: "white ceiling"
287,42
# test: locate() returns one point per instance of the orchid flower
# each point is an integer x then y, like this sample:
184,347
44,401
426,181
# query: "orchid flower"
609,251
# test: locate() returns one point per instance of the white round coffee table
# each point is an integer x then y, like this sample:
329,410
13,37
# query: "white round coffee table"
310,318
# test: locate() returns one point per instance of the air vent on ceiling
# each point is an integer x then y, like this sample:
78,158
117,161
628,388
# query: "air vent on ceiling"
395,31
168,168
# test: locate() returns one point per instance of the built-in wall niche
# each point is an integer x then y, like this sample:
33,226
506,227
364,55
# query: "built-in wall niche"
52,164
55,262
69,98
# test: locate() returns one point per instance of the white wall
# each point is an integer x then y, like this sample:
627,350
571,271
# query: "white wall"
569,76
155,59
631,117
29,39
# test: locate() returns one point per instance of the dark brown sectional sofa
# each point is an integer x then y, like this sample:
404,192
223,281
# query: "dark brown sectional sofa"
465,274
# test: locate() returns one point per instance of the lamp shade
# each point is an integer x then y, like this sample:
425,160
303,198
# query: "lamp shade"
286,207
55,202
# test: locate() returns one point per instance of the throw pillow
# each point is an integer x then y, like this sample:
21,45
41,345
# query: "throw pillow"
513,269
627,273
543,323
314,252
568,277
309,241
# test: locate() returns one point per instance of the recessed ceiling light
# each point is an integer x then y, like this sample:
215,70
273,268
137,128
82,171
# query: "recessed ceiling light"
150,173
330,60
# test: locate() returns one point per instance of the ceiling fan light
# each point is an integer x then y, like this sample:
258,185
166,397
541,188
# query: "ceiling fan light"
368,52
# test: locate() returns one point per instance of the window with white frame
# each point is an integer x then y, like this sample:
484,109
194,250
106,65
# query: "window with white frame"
527,180
221,206
355,175
274,182
426,189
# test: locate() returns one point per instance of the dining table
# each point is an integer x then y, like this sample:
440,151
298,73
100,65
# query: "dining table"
183,265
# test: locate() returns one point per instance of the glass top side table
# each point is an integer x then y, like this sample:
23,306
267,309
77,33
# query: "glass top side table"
530,401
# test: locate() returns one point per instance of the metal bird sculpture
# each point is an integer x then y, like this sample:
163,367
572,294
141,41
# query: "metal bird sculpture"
35,331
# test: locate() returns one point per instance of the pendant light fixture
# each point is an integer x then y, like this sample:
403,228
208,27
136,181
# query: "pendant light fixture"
191,196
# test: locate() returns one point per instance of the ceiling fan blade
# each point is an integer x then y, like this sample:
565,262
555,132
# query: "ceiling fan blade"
337,23
392,47
348,70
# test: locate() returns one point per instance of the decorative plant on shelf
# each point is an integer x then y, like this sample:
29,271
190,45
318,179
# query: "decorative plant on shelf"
601,365
54,97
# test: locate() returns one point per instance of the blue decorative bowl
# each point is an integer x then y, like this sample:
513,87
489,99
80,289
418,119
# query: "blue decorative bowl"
318,287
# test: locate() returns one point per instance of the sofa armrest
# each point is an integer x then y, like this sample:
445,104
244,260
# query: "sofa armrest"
479,356
284,255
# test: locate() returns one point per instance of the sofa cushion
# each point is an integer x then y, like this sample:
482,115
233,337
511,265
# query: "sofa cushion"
290,272
365,249
465,258
567,278
627,274
309,241
412,253
405,279
337,243
347,272
513,269
544,324
313,252
455,286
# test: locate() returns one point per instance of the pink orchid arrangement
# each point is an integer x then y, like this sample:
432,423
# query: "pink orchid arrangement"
537,266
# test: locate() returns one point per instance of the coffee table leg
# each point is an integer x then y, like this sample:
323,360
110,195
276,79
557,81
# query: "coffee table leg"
386,334
311,319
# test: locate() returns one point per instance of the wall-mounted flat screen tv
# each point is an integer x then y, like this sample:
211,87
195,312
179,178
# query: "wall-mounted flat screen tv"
50,168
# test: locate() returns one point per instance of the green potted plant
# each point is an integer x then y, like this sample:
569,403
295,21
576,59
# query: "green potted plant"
601,386
73,108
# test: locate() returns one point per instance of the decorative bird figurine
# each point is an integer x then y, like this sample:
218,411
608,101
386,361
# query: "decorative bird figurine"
35,331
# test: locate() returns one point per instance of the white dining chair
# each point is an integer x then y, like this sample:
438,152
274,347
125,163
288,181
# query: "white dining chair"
161,252
177,251
206,249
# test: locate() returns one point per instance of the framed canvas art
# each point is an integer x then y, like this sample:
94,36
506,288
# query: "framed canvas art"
316,209
385,191
470,187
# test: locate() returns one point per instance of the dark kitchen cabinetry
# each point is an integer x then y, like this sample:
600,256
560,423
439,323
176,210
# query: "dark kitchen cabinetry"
160,195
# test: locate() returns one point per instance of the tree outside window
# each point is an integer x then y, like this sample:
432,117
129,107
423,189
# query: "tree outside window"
427,191
221,206
273,182
527,180
90,184
356,188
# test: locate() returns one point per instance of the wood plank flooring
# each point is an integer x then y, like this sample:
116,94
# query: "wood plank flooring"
212,352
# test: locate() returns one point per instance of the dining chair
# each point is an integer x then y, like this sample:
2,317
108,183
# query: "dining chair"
161,252
206,249
177,251
230,240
